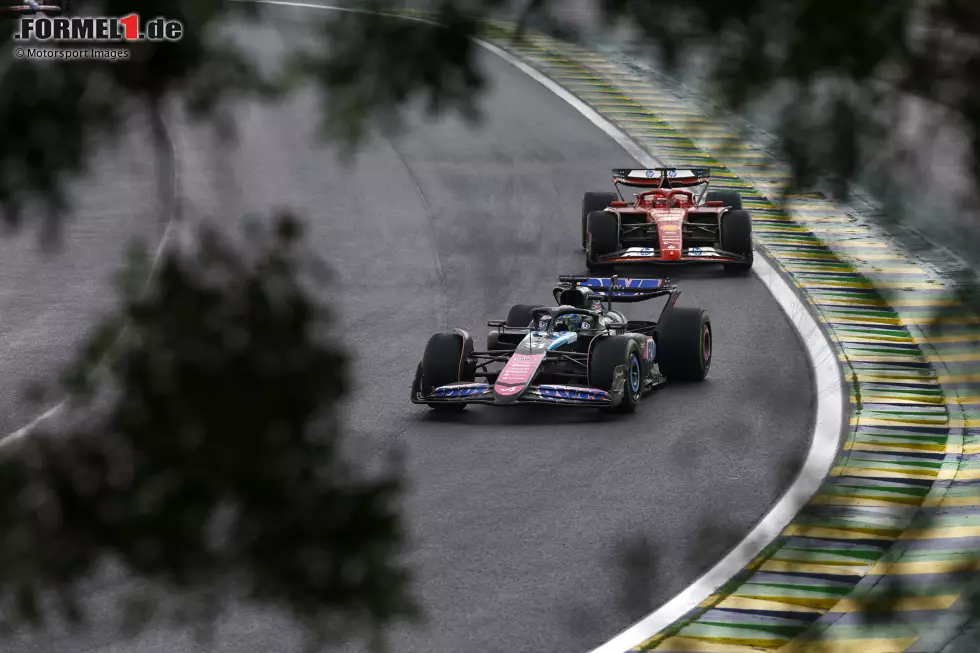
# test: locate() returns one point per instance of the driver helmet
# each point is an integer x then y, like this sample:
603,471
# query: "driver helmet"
571,321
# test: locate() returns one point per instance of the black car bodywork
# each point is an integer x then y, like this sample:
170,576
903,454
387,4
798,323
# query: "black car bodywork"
578,353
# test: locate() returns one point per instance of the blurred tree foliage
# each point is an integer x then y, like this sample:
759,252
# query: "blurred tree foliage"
215,459
211,463
848,67
52,114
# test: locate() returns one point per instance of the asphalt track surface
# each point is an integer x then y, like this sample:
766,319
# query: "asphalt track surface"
49,299
533,529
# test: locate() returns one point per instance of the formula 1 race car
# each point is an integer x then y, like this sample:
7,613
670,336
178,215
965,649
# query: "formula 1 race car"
50,8
676,221
579,353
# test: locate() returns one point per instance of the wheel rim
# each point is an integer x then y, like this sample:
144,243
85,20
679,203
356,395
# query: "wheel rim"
634,374
706,346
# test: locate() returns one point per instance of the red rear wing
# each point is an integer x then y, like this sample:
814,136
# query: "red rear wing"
657,177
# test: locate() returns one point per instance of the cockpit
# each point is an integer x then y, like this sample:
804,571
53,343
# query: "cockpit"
567,322
663,198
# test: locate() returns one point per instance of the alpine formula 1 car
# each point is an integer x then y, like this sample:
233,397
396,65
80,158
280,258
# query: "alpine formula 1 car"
578,353
28,7
676,220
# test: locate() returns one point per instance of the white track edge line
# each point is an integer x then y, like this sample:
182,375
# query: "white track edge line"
824,446
827,379
165,238
828,417
828,384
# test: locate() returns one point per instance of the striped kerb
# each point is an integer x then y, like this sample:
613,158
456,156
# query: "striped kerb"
893,536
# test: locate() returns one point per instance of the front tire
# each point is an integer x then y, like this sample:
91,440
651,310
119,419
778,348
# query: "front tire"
607,355
594,202
685,344
736,237
730,198
603,237
446,361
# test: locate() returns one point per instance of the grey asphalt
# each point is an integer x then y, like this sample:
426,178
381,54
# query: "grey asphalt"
533,529
49,299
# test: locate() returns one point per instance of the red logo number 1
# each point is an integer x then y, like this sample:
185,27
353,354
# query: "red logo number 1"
131,25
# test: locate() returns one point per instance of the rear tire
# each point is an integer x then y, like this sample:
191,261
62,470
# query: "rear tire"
730,198
607,355
603,237
594,202
685,344
736,237
520,315
444,362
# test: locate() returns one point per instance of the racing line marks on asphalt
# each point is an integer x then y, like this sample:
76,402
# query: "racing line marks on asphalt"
903,459
168,234
830,401
440,270
852,541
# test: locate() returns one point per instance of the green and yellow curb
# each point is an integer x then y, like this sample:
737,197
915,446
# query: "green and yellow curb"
892,538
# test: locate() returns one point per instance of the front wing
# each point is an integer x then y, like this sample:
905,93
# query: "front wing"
482,393
655,255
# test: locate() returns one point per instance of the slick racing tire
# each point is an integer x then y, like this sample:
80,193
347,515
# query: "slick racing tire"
606,356
730,198
594,202
445,362
736,236
684,344
602,238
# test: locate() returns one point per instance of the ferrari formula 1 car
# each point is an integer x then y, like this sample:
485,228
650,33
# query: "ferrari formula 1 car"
579,353
676,220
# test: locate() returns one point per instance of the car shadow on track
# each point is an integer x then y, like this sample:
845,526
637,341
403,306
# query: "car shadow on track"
692,271
530,415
